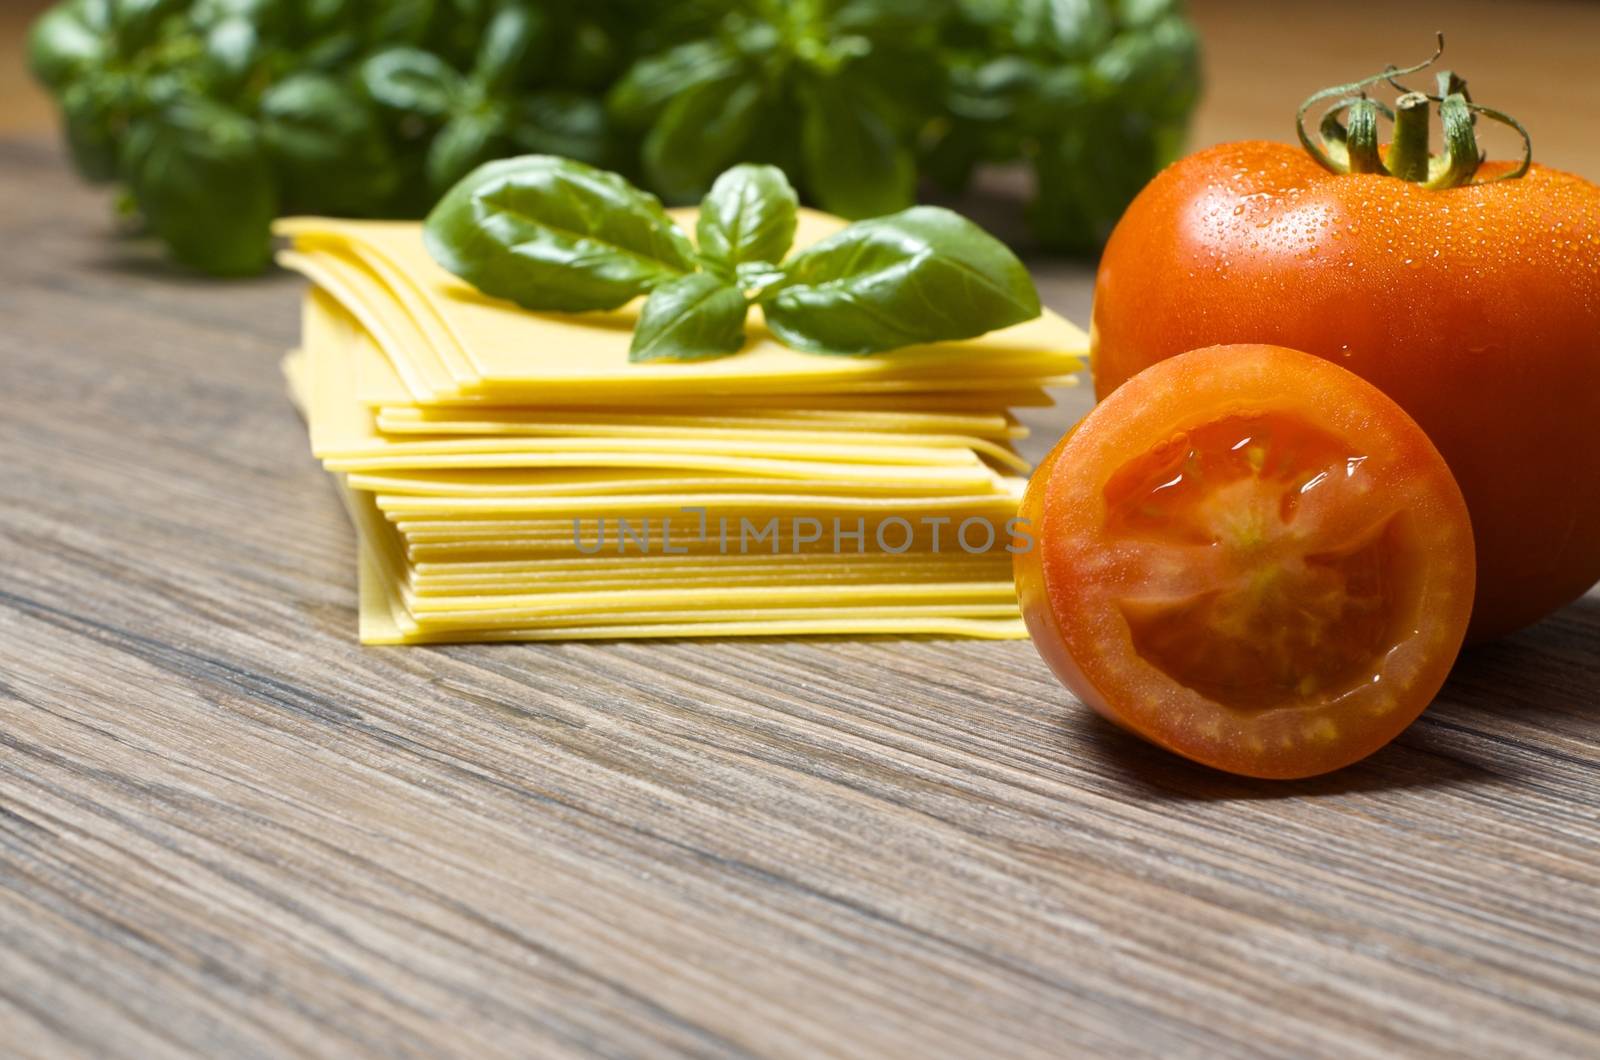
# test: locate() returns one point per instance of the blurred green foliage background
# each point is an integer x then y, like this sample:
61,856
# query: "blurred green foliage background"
214,116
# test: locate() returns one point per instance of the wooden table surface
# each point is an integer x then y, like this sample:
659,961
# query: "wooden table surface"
228,830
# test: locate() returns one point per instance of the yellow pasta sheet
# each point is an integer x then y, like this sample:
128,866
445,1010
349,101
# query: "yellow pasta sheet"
974,609
784,563
852,446
347,433
556,582
731,504
384,620
734,422
446,341
345,437
785,566
467,436
583,488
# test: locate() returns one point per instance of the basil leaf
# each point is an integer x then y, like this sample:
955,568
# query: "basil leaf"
748,216
1141,69
656,80
1062,29
467,140
694,318
231,46
953,155
199,175
557,235
412,81
67,41
700,134
855,164
327,149
757,276
135,23
506,44
1137,14
922,275
996,90
402,21
87,116
562,123
887,17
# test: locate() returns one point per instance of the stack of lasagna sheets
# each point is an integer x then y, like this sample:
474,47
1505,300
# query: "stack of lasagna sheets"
512,476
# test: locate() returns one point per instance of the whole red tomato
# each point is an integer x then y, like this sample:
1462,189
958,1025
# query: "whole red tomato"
1476,308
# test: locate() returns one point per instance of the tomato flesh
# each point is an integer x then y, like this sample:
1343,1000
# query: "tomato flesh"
1251,557
1281,619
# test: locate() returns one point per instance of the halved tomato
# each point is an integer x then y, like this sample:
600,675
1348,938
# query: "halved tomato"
1251,557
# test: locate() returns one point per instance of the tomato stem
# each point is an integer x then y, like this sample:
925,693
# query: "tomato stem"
1362,144
1354,148
1461,157
1408,152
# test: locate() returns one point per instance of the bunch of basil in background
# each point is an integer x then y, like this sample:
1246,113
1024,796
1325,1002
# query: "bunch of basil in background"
215,116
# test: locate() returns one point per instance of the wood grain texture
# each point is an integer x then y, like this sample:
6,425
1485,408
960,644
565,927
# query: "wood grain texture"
227,830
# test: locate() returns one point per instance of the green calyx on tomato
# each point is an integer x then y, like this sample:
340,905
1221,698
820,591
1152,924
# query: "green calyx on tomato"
1347,140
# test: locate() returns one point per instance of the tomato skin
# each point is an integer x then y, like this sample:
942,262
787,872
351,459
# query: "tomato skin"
1476,308
1074,599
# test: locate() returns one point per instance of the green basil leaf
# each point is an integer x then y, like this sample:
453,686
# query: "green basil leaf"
855,164
89,131
1059,96
1156,70
466,142
68,41
1062,29
694,318
995,90
327,147
887,17
905,78
653,82
1136,14
590,53
506,44
557,235
457,28
700,134
953,155
748,216
202,181
1086,176
319,17
757,276
412,81
277,19
136,23
231,46
402,21
565,124
922,275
